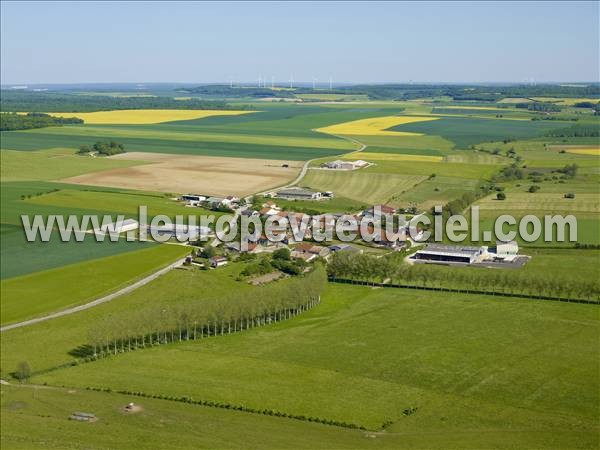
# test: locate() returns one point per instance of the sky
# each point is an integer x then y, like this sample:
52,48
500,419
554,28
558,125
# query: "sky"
355,42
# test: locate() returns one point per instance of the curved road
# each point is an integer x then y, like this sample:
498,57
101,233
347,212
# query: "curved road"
106,298
307,163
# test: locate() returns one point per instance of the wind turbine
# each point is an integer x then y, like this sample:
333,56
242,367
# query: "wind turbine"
314,83
230,81
330,83
259,80
272,81
291,81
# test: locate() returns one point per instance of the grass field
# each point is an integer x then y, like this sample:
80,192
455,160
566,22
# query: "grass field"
463,362
42,292
20,257
464,132
37,418
148,116
52,164
361,185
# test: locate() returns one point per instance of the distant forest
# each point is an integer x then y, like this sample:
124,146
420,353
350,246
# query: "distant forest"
480,93
13,121
17,101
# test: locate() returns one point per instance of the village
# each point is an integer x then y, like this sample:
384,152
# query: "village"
308,249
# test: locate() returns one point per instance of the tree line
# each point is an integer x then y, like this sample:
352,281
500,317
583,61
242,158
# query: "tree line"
14,121
178,322
393,271
66,102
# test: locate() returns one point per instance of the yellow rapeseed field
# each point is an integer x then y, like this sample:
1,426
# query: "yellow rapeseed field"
147,116
374,156
594,151
376,126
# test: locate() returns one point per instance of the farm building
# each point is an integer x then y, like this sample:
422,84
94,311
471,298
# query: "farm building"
181,232
383,209
295,193
344,165
436,253
121,226
343,248
217,261
192,199
505,249
250,213
311,249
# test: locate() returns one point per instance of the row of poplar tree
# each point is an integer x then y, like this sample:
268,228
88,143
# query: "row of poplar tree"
238,311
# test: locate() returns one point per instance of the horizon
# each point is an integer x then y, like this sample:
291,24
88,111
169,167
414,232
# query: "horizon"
53,43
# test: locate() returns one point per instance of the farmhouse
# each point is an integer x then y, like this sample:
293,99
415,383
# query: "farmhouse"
308,248
436,253
217,261
295,193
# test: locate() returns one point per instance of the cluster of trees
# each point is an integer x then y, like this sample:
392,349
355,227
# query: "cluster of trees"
540,106
14,121
103,148
248,409
12,100
570,170
395,272
280,260
576,131
190,321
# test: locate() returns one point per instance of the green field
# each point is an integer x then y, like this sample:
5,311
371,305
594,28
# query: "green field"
468,131
53,164
362,185
37,418
42,292
464,363
20,257
275,132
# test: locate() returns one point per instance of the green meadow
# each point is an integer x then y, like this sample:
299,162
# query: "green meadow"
31,295
459,363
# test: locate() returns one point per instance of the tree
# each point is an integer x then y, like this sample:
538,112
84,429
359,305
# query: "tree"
282,253
500,196
23,371
533,188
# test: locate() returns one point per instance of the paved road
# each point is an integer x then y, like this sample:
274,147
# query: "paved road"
307,163
106,298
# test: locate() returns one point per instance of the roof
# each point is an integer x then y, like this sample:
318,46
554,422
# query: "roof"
296,191
214,199
450,250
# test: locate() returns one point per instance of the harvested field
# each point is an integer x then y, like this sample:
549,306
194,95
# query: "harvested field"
202,174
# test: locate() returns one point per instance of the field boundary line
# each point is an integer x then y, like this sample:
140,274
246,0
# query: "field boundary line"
461,291
104,299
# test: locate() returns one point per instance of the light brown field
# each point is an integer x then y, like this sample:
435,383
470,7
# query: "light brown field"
196,174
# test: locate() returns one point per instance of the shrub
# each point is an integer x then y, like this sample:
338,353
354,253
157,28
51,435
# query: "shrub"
500,196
